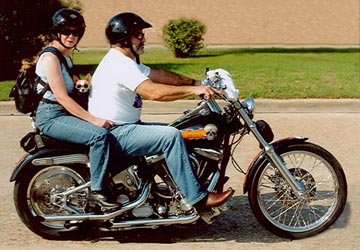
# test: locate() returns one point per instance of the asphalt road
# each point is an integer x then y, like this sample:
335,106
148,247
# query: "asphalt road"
333,124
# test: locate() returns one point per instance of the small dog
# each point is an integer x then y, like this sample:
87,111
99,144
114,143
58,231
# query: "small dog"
82,85
82,90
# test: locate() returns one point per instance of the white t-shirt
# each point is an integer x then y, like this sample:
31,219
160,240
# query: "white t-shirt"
112,88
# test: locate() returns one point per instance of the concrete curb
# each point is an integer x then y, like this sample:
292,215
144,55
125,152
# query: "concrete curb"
268,106
7,108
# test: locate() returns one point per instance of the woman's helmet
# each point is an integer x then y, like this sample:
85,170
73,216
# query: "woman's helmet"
123,25
65,18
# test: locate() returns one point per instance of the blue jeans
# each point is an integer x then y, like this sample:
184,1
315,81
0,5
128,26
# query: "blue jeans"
53,120
150,139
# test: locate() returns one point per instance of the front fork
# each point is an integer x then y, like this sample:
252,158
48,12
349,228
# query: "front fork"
275,159
297,187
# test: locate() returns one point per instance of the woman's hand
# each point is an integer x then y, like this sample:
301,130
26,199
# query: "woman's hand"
102,122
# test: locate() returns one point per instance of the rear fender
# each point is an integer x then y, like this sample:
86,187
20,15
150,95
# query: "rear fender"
47,157
253,166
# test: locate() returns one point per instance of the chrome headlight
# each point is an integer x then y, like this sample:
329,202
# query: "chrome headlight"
249,104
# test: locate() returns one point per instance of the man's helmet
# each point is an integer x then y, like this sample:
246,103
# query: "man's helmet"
65,18
123,25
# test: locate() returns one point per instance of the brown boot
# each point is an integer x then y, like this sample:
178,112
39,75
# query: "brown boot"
215,199
218,199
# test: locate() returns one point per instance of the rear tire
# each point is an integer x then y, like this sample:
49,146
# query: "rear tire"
37,193
277,208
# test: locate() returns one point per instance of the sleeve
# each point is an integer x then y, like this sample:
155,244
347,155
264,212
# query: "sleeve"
145,69
135,74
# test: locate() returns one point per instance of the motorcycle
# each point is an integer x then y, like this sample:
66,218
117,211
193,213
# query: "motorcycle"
295,188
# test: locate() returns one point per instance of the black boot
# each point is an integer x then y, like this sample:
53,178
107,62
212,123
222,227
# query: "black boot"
97,199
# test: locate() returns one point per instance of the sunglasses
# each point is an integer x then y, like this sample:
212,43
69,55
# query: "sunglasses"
139,35
68,32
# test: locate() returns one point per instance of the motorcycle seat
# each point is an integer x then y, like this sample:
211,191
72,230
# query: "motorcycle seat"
34,141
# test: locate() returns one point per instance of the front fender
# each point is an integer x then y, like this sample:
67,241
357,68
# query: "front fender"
46,157
254,164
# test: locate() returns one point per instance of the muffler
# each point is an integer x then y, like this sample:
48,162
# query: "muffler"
103,217
154,223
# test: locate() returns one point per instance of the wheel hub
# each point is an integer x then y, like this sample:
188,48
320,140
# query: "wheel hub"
49,193
286,194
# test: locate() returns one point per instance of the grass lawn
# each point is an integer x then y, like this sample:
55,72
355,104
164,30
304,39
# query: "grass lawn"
260,73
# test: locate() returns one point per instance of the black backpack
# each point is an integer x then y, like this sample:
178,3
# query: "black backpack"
24,91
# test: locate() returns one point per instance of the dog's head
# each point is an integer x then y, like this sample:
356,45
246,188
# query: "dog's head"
82,85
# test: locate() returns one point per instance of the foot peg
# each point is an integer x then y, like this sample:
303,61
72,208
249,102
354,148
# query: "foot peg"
97,200
211,214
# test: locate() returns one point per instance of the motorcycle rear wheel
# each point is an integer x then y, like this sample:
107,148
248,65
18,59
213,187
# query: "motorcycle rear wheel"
276,206
38,191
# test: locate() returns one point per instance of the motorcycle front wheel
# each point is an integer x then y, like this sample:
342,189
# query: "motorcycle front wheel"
47,191
275,205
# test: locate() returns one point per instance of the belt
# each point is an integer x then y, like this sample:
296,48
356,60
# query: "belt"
49,101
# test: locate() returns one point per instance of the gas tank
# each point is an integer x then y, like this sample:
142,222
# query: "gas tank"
201,127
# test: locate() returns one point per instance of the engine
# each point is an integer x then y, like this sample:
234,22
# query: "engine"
164,200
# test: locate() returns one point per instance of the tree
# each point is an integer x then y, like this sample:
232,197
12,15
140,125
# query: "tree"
184,36
24,29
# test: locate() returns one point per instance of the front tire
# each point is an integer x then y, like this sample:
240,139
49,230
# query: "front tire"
278,209
39,192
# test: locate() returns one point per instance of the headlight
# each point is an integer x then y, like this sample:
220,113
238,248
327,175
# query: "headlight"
265,130
249,104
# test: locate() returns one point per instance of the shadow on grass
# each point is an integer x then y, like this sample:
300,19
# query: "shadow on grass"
224,51
90,68
84,69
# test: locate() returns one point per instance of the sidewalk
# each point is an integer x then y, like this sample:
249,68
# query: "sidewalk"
268,106
7,108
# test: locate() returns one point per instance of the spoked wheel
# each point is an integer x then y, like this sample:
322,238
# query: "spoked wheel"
277,207
47,191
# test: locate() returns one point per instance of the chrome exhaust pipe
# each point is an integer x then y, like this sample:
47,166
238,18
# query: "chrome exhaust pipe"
153,223
78,217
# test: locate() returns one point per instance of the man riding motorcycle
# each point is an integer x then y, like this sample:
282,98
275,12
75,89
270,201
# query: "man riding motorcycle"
118,84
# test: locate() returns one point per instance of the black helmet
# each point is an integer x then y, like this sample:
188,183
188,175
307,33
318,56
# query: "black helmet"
123,25
68,18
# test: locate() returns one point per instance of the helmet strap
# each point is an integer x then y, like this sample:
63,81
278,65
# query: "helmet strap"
58,38
129,45
137,57
62,44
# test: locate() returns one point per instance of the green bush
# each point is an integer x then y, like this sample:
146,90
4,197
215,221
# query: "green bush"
184,37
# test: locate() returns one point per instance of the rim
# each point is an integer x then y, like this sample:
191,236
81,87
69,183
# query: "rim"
45,193
283,209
